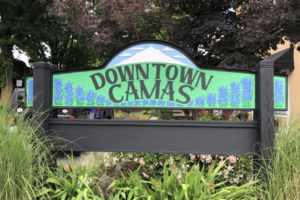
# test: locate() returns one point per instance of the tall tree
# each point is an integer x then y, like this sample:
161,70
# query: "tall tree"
235,31
27,25
19,20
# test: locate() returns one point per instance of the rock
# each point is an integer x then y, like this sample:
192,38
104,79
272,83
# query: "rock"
112,173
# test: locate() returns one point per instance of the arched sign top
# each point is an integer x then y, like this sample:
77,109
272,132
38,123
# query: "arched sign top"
151,52
155,74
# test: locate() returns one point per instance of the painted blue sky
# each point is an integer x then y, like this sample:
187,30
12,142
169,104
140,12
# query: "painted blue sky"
166,50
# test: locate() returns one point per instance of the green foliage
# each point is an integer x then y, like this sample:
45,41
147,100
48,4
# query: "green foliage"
236,170
128,188
211,117
70,182
28,25
177,184
23,156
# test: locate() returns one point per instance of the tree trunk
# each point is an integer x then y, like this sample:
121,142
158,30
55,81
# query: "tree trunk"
7,74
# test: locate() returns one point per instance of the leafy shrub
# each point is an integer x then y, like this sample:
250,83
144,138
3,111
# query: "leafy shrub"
181,184
69,182
237,169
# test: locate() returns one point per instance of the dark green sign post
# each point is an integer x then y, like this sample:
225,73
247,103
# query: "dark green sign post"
155,74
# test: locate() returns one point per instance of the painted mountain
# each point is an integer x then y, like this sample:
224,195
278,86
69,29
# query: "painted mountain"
150,55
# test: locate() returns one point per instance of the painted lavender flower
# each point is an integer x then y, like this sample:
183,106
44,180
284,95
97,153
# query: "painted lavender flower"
79,95
137,102
169,103
90,97
69,94
235,93
153,102
200,101
278,93
145,102
58,86
223,96
191,103
247,89
100,99
30,91
211,99
161,102
108,101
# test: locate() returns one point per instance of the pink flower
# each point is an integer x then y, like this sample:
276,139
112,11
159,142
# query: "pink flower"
179,176
221,157
161,164
202,157
130,156
142,161
105,162
226,174
232,159
171,160
145,175
208,159
115,159
192,156
220,162
236,180
135,159
230,168
151,166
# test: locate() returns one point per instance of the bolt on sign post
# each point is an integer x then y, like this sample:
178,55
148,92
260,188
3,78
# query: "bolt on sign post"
160,75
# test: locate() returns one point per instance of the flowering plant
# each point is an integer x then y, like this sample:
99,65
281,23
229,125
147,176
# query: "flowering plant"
236,169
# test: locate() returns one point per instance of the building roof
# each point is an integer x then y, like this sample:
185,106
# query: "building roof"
283,59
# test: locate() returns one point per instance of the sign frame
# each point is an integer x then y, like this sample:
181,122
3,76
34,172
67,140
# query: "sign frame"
180,136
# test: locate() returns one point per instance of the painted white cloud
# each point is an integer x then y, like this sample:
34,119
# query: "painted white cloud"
167,49
126,54
179,56
150,55
137,48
